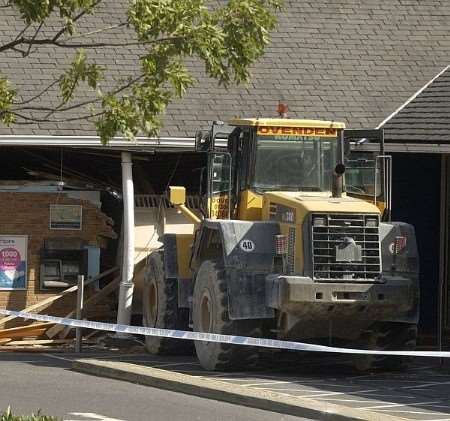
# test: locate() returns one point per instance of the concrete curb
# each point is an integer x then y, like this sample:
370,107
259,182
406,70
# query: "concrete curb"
236,394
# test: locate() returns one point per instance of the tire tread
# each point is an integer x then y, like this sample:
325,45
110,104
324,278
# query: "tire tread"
227,356
172,318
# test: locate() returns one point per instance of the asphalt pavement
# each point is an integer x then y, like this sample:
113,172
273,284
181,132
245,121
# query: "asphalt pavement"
325,381
44,381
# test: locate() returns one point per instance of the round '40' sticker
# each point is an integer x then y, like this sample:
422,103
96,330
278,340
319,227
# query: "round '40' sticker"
247,245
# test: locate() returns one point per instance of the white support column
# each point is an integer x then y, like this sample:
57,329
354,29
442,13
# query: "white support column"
126,284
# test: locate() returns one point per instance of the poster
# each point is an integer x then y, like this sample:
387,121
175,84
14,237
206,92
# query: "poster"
13,261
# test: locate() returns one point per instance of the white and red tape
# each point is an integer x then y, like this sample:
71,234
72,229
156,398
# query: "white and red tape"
213,337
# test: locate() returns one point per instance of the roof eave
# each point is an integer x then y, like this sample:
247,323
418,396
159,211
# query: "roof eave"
144,144
412,98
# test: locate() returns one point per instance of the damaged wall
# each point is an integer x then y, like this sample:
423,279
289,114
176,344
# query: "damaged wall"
28,214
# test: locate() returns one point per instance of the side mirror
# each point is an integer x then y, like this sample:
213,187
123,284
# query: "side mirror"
202,141
177,195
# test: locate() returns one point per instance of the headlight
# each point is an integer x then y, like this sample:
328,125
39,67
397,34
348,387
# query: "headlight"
281,244
371,222
319,221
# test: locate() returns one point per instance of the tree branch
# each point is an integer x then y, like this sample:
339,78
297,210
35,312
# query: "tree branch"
20,39
32,39
18,50
23,31
31,120
97,31
76,18
60,109
50,41
11,45
39,94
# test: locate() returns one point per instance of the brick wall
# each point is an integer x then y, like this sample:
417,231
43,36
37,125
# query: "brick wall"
28,214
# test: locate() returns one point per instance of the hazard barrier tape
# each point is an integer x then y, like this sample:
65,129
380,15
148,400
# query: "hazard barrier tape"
213,337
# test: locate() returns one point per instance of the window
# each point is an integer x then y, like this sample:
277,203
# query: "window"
360,177
220,173
294,163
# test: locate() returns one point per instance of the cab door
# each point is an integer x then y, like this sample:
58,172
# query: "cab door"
219,185
368,174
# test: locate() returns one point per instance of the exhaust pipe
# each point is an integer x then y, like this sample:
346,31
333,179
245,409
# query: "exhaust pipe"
338,180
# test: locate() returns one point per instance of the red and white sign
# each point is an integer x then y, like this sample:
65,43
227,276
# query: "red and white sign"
9,258
13,261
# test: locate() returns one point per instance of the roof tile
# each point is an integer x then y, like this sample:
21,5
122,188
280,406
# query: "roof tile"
356,60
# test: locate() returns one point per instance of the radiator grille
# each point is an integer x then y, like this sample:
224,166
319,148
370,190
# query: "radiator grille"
330,232
157,200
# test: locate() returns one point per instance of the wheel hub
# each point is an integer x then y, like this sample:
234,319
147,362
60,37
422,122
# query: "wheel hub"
152,303
206,312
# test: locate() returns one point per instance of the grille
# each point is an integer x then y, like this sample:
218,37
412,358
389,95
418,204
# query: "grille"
157,200
291,251
331,232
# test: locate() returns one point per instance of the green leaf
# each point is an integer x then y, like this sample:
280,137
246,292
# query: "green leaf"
227,37
8,416
79,71
7,96
37,11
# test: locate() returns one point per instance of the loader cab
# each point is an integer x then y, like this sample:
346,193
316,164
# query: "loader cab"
248,157
368,169
283,155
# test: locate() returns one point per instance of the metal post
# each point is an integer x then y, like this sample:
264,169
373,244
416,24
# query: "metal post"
443,253
80,301
126,284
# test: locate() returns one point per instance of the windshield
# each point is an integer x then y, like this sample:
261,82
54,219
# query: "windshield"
294,163
360,175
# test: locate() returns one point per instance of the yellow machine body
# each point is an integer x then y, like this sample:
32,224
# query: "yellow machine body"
300,206
254,206
280,248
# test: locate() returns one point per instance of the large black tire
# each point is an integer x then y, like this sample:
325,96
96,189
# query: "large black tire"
160,309
210,314
387,336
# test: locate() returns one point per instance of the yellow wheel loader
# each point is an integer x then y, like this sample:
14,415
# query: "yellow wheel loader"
294,241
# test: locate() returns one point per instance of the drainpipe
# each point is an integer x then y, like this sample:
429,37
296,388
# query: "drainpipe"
126,283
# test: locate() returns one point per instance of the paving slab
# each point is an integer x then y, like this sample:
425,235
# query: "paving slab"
317,387
222,391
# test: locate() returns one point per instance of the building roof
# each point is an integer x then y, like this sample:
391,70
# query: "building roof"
424,118
354,61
